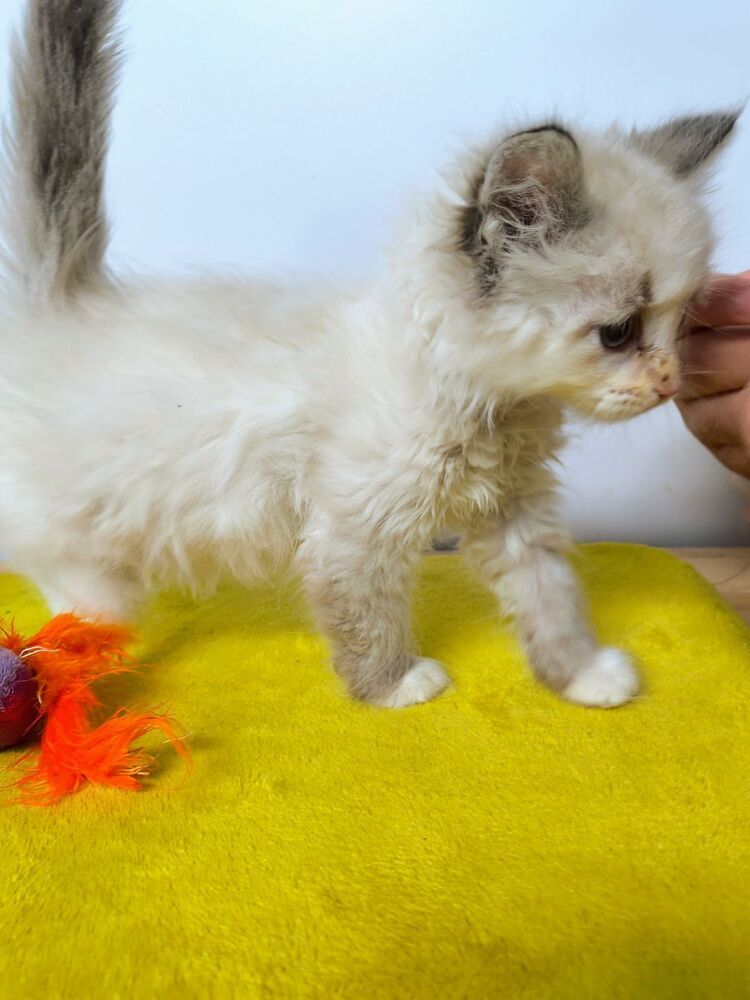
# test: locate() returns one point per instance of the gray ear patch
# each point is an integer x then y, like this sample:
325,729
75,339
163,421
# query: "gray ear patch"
684,144
530,192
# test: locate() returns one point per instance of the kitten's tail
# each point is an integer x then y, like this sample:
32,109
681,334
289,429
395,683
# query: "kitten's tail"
54,227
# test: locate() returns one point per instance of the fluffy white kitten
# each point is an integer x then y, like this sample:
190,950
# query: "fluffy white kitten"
168,431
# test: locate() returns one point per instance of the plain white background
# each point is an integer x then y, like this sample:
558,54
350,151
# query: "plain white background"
287,136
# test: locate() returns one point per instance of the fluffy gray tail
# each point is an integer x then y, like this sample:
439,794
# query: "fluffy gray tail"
65,64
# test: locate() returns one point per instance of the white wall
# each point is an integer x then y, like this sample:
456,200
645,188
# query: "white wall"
287,134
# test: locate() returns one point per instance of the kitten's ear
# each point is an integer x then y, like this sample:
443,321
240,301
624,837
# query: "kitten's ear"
532,189
685,144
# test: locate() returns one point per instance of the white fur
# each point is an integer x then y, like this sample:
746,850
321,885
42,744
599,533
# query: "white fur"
421,682
609,680
163,432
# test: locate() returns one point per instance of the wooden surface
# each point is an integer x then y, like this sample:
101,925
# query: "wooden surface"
727,569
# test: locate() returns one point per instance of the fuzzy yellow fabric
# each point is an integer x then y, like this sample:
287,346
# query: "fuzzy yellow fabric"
497,843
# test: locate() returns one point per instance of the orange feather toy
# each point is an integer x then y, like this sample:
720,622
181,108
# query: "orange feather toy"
52,688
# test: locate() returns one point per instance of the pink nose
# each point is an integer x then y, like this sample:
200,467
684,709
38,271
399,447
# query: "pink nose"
666,391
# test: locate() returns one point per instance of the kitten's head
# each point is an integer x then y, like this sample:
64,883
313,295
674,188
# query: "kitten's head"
584,252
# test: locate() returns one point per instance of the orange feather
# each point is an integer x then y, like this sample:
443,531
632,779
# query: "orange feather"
68,655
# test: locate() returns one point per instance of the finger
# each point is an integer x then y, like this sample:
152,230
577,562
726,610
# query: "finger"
719,421
714,361
725,303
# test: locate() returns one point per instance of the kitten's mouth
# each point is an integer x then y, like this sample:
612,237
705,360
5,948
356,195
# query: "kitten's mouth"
614,409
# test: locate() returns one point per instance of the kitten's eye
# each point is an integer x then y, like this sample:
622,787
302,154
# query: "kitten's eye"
619,334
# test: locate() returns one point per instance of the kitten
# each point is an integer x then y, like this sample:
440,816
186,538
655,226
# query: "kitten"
181,431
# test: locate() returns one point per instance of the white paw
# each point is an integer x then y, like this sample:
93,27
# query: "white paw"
609,680
422,682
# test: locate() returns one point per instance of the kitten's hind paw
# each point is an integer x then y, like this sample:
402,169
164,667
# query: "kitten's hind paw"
607,681
423,681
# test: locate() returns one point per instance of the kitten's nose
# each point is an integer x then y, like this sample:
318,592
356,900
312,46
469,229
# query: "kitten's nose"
666,390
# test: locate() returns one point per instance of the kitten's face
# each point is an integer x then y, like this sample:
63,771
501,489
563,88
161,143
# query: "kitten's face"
618,370
587,253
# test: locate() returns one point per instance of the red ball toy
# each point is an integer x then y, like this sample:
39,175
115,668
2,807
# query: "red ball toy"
20,708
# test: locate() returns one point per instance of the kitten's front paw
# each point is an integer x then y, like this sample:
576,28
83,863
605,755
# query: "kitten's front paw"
608,680
423,681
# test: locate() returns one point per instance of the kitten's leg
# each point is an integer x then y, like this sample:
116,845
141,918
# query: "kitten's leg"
90,592
523,562
362,596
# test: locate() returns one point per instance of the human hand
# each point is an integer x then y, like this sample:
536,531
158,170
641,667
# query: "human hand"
715,352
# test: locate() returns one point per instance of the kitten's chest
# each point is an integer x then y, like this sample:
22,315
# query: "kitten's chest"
501,462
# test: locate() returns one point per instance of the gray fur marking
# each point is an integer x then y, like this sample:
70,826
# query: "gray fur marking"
65,69
683,144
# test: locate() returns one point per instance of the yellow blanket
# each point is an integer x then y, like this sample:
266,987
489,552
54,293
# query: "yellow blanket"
497,843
